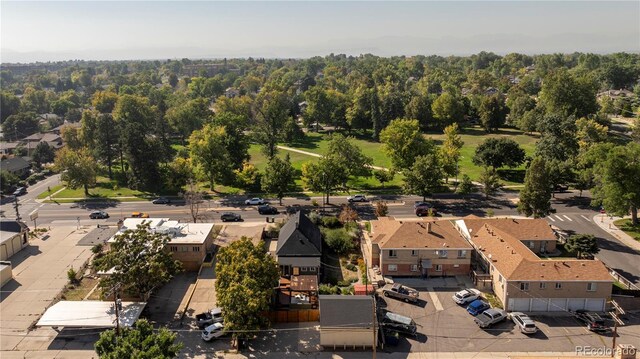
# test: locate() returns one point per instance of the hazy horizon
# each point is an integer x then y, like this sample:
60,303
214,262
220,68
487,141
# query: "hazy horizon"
56,31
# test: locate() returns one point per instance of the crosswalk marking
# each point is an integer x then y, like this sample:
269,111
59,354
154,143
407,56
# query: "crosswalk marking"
559,218
565,216
551,218
585,218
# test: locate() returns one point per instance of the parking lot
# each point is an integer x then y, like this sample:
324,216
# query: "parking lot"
452,329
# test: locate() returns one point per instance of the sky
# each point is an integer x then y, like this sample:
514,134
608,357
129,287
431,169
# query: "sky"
125,30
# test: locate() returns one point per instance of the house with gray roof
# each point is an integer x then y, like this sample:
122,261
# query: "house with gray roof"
15,165
347,321
299,247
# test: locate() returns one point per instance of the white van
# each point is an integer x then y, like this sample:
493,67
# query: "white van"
215,330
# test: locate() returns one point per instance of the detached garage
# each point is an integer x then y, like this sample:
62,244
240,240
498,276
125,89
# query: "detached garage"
347,321
556,304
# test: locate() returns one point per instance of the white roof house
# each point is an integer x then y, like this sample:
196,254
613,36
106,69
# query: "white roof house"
180,233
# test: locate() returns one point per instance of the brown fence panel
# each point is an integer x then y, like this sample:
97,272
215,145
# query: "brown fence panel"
294,316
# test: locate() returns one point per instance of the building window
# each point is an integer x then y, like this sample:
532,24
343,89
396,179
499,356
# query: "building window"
438,267
532,244
543,285
393,267
393,253
312,269
500,278
414,253
524,287
173,248
196,249
462,254
414,267
558,285
442,253
591,287
304,269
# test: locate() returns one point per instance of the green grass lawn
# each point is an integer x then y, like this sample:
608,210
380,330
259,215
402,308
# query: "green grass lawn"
54,189
104,188
625,225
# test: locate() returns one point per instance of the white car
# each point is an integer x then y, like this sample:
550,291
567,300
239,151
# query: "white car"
357,198
254,201
466,296
215,330
524,323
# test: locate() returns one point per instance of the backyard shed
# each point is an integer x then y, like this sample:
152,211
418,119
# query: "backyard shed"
347,321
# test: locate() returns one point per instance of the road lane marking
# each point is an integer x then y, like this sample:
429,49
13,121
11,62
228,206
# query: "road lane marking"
565,216
559,218
585,218
551,218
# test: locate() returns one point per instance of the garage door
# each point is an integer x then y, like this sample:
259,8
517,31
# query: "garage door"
596,305
539,304
519,304
576,303
557,305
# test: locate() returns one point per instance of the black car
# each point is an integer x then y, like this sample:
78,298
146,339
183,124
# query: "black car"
20,191
267,209
99,215
161,200
594,321
230,217
424,209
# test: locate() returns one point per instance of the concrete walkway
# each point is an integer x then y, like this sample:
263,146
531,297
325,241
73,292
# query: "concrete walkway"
319,155
606,223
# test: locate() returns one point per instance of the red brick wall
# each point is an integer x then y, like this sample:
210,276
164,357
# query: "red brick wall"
447,270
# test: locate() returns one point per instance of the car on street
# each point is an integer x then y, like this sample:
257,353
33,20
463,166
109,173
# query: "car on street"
209,317
401,292
466,296
215,330
422,209
161,200
477,306
98,215
20,191
593,320
7,199
230,217
267,209
139,215
490,317
357,198
254,201
524,323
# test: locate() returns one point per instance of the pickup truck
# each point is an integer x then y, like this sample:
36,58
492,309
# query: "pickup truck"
212,316
401,292
490,317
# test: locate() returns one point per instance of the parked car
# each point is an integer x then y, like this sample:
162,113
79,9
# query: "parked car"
7,199
315,125
230,217
212,316
524,323
98,215
490,317
425,209
594,321
139,215
161,200
254,201
401,292
466,296
477,306
398,323
20,191
267,209
357,198
215,330
560,188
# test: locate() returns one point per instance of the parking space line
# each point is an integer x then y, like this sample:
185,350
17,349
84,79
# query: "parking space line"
585,218
551,218
435,300
560,218
565,216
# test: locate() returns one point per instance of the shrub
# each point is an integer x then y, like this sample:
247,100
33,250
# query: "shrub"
351,267
315,218
97,248
331,222
353,258
328,289
314,203
339,240
348,291
381,209
71,274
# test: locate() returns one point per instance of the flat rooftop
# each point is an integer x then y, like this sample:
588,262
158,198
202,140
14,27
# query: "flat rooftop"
90,314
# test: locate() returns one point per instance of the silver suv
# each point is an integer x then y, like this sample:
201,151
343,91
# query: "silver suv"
524,323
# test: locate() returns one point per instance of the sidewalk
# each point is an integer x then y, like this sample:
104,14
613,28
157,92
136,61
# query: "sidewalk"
606,223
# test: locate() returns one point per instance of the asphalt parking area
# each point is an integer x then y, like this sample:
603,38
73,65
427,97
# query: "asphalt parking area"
452,329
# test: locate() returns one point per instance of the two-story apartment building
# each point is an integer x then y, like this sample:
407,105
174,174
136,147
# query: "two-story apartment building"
417,248
506,249
189,243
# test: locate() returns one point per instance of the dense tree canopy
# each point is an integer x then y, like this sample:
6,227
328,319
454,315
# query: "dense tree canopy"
142,341
499,152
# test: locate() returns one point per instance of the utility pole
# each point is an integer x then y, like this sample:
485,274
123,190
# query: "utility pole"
15,206
616,320
117,304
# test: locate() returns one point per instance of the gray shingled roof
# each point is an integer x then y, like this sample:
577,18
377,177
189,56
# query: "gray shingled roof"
299,237
14,164
346,311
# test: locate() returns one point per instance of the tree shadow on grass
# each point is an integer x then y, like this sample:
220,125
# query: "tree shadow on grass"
307,142
516,176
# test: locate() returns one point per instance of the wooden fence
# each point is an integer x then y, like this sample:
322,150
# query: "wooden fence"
294,316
